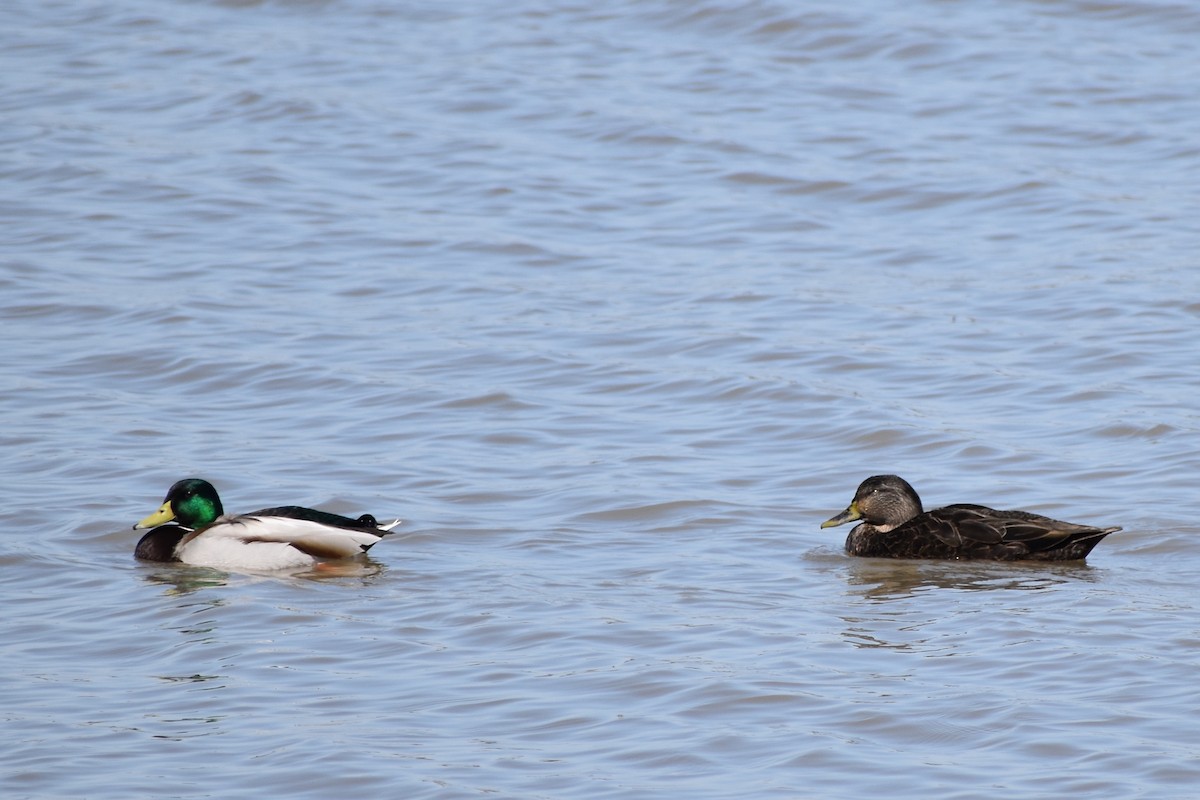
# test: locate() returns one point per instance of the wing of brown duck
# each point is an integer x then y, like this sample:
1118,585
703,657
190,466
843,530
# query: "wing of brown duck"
982,532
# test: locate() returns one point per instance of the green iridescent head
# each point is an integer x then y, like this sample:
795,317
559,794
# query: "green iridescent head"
191,502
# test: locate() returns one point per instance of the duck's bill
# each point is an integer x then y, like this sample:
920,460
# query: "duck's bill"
849,515
160,517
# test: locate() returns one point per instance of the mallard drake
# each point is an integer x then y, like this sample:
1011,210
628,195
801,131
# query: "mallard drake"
287,537
894,525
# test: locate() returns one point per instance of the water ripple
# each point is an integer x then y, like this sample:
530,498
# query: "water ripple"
613,305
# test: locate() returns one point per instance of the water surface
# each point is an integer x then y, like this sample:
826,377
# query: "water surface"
614,306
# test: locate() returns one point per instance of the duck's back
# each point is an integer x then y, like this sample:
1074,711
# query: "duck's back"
967,531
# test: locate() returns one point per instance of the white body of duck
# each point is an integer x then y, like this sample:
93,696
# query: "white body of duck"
284,538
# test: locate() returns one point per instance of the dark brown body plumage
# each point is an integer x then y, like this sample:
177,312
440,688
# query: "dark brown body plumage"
894,525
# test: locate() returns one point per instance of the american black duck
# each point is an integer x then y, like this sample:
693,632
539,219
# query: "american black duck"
895,525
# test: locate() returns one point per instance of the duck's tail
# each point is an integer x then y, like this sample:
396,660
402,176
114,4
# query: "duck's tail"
1087,541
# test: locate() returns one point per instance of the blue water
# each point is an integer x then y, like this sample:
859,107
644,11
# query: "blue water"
613,305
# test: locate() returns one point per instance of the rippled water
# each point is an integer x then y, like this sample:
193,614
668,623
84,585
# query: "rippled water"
614,305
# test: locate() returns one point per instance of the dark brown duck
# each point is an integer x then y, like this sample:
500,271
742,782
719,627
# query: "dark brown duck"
894,525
